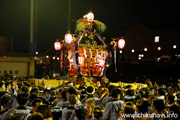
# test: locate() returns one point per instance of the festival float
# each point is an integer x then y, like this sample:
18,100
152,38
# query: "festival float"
87,51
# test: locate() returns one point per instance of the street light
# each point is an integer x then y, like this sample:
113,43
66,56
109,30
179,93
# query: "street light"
174,46
132,50
145,49
159,48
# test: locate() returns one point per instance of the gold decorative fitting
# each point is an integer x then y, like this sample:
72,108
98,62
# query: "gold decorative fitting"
92,46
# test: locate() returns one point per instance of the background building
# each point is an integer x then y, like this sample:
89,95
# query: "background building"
144,42
17,64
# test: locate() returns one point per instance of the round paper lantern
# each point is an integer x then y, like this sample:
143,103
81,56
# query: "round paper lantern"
57,45
68,38
101,62
121,43
90,16
80,60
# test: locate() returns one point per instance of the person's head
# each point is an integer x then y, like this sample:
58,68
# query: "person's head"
6,101
70,84
94,79
166,119
142,105
98,112
24,89
2,86
104,80
59,95
116,93
129,108
22,99
47,94
41,88
83,95
90,90
161,92
90,106
31,98
13,84
170,99
63,93
174,109
100,89
150,98
45,111
80,112
17,87
178,99
35,90
171,91
73,99
70,91
53,91
15,116
35,116
110,88
36,103
8,85
158,105
47,91
129,96
143,93
19,84
29,86
130,92
131,99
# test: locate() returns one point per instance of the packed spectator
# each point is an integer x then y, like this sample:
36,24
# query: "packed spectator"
22,100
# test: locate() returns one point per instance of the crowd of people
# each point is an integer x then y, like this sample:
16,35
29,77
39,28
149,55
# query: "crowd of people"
99,100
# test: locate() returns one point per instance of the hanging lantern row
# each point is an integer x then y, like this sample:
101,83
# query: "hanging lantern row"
68,40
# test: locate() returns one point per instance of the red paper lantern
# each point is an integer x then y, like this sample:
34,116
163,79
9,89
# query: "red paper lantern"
121,43
68,38
57,45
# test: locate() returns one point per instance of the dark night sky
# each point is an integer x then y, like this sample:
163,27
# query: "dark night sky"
52,16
